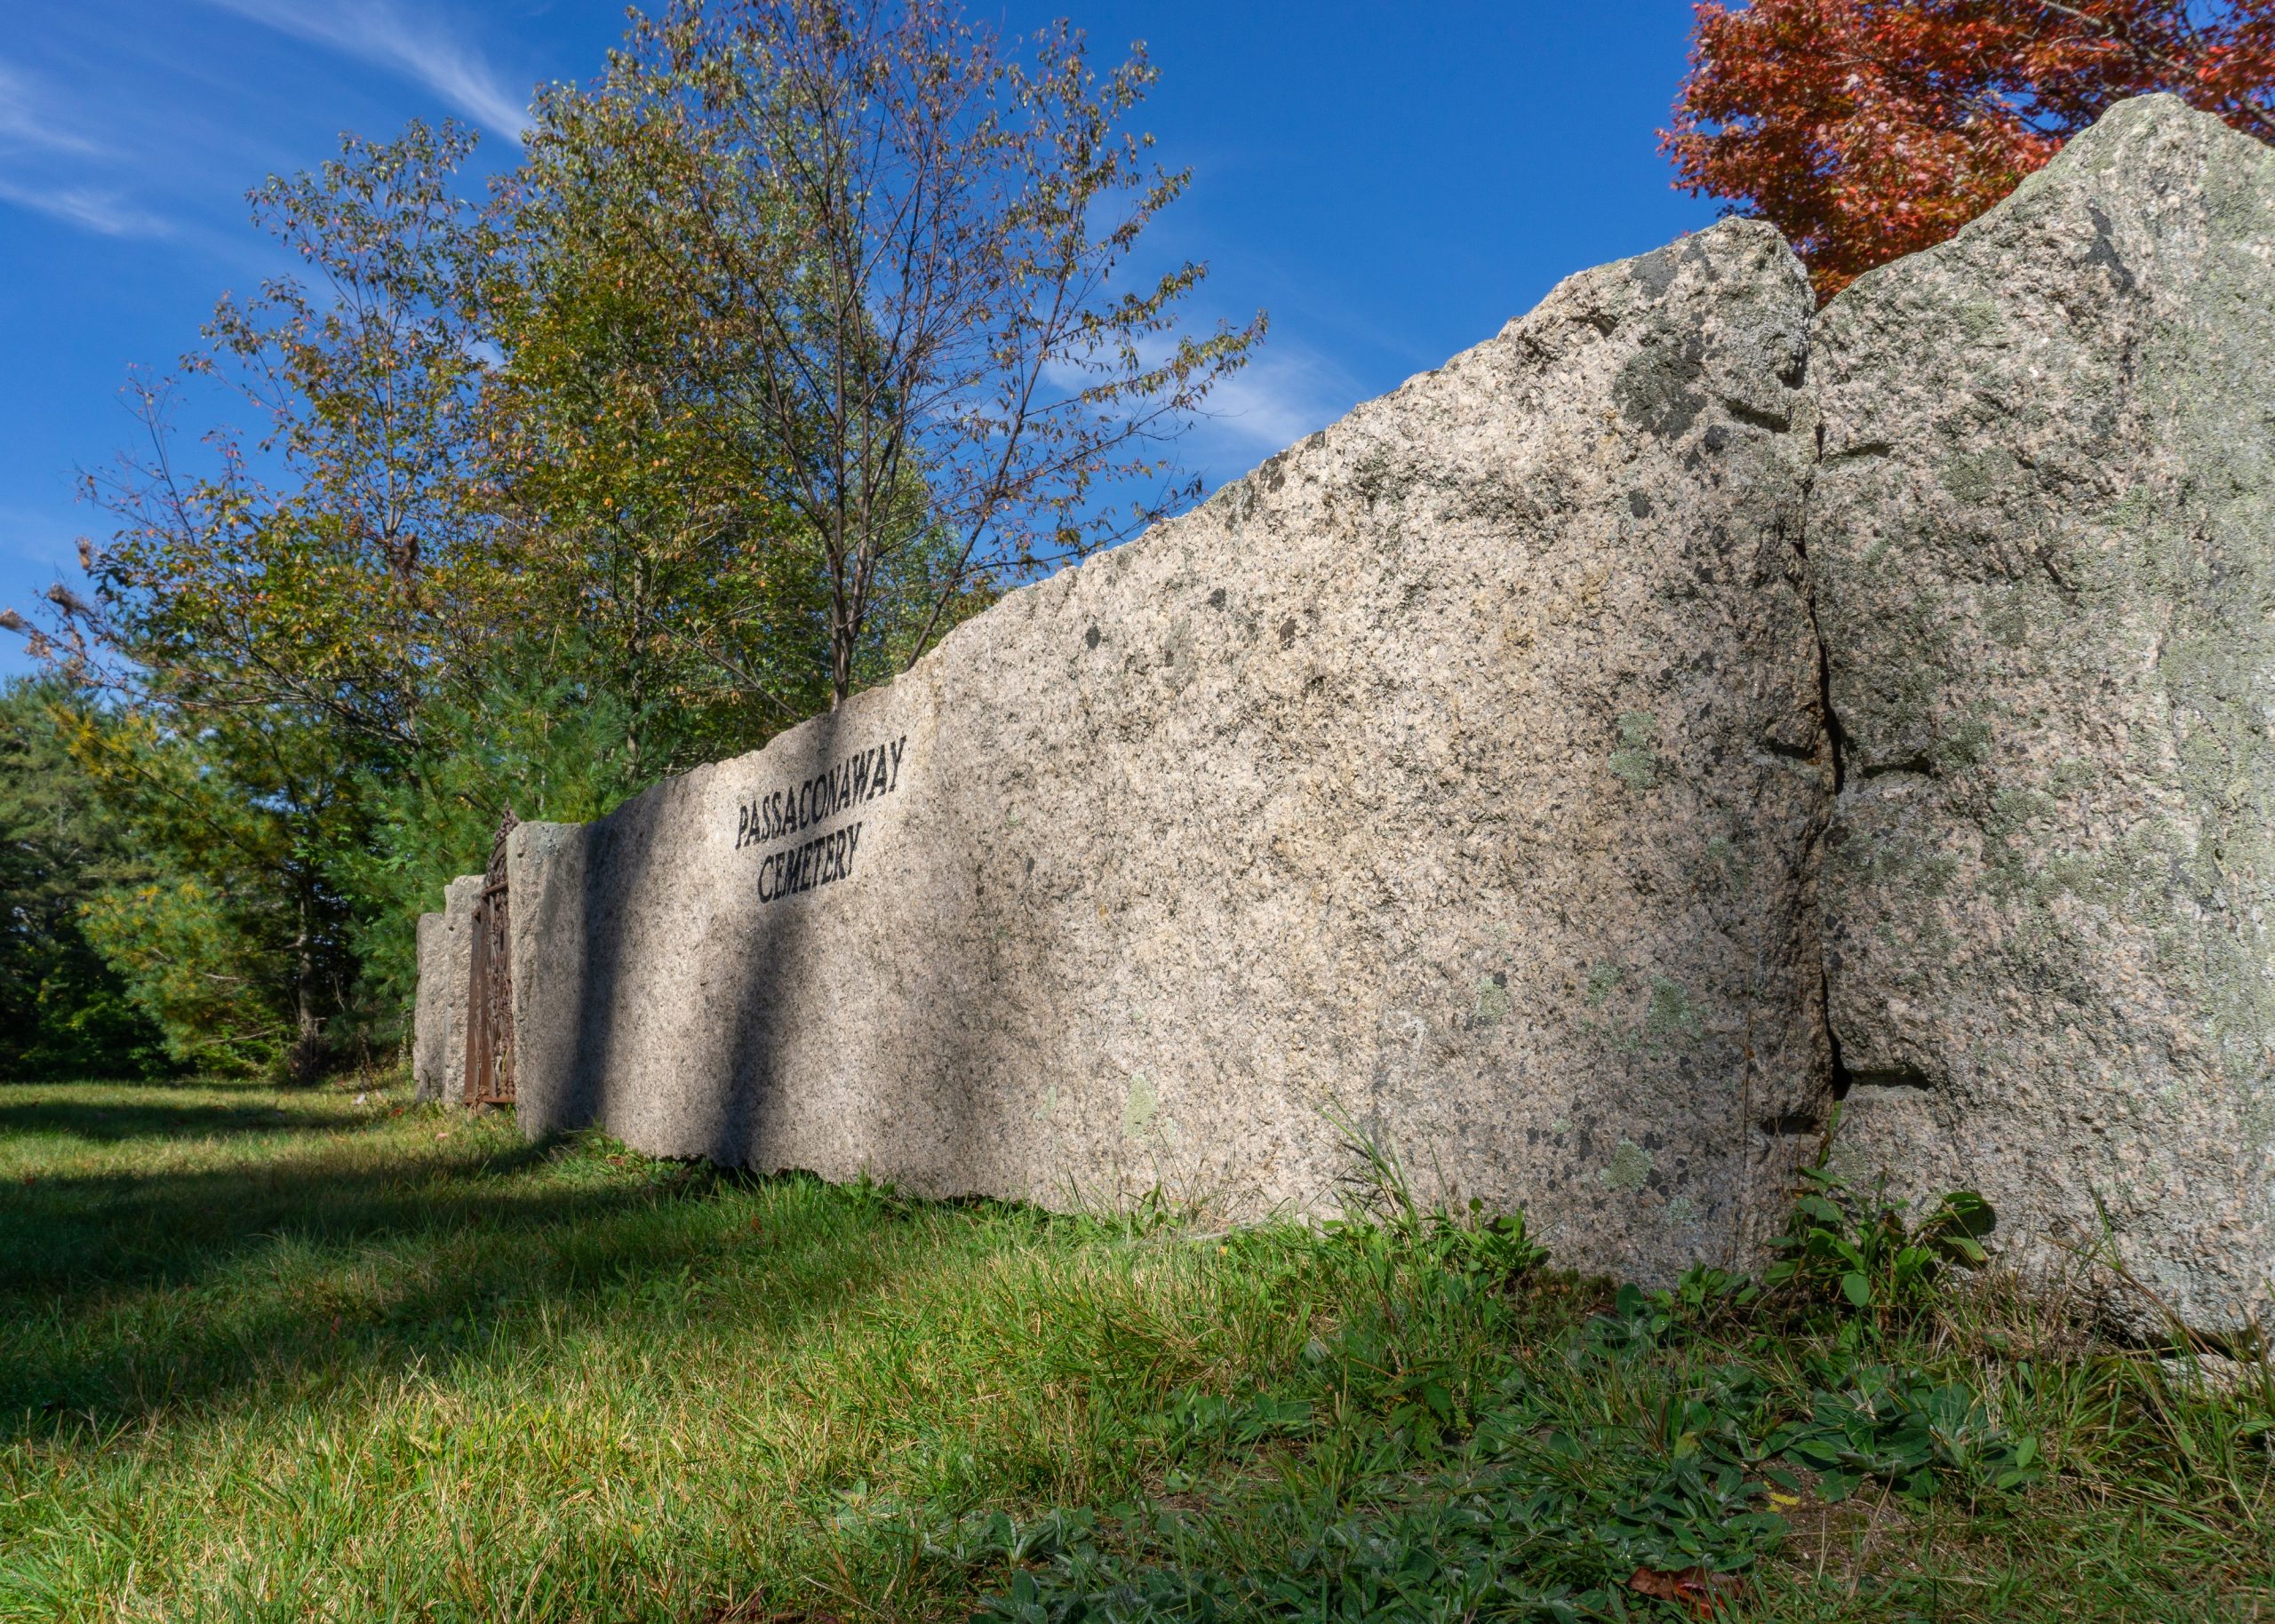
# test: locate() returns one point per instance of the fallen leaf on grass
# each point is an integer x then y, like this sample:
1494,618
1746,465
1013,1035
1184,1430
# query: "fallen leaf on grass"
1697,1591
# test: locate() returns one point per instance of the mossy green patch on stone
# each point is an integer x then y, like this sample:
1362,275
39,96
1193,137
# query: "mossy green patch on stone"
1635,761
1671,1013
1721,866
1979,317
1493,999
1965,743
2013,811
1141,1102
1629,1169
1653,1019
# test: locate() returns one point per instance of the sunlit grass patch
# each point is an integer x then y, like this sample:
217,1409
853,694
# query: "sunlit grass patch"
287,1355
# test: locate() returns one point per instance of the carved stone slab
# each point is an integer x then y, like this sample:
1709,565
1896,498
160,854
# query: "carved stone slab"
1454,777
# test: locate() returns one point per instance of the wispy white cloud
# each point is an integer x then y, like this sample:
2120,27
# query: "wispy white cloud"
95,208
46,153
1281,395
376,31
27,120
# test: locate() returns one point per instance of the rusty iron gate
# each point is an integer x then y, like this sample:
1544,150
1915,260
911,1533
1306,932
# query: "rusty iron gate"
489,992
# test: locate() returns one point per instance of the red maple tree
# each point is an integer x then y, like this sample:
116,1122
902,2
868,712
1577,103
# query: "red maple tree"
1868,129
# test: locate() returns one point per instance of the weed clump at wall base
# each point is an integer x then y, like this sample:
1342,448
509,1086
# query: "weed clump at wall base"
273,1356
1862,1249
1505,1463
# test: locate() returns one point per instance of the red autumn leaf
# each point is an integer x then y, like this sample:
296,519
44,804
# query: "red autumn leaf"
1869,129
1697,1591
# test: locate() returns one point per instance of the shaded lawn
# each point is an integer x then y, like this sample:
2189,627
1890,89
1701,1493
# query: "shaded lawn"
290,1355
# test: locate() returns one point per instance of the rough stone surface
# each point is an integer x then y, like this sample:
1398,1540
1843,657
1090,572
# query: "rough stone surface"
2042,541
446,971
1456,774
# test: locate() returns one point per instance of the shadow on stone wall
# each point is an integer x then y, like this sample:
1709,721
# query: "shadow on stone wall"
744,1096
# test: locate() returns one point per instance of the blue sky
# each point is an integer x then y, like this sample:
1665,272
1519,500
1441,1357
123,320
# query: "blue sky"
1392,180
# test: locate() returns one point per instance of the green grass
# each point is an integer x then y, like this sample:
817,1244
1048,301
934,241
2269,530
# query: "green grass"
316,1355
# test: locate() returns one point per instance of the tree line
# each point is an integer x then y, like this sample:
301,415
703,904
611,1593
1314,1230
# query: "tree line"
794,337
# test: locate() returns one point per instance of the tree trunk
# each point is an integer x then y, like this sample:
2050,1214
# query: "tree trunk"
304,1062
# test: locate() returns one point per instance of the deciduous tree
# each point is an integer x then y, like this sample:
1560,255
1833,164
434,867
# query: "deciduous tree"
802,330
631,473
1869,129
910,244
319,562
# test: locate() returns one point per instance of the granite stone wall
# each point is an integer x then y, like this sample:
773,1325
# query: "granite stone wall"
2042,540
1451,780
1578,773
445,975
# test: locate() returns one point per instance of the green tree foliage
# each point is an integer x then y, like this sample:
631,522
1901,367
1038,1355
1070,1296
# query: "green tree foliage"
905,242
266,628
63,1010
631,478
272,631
791,340
554,746
234,940
332,564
